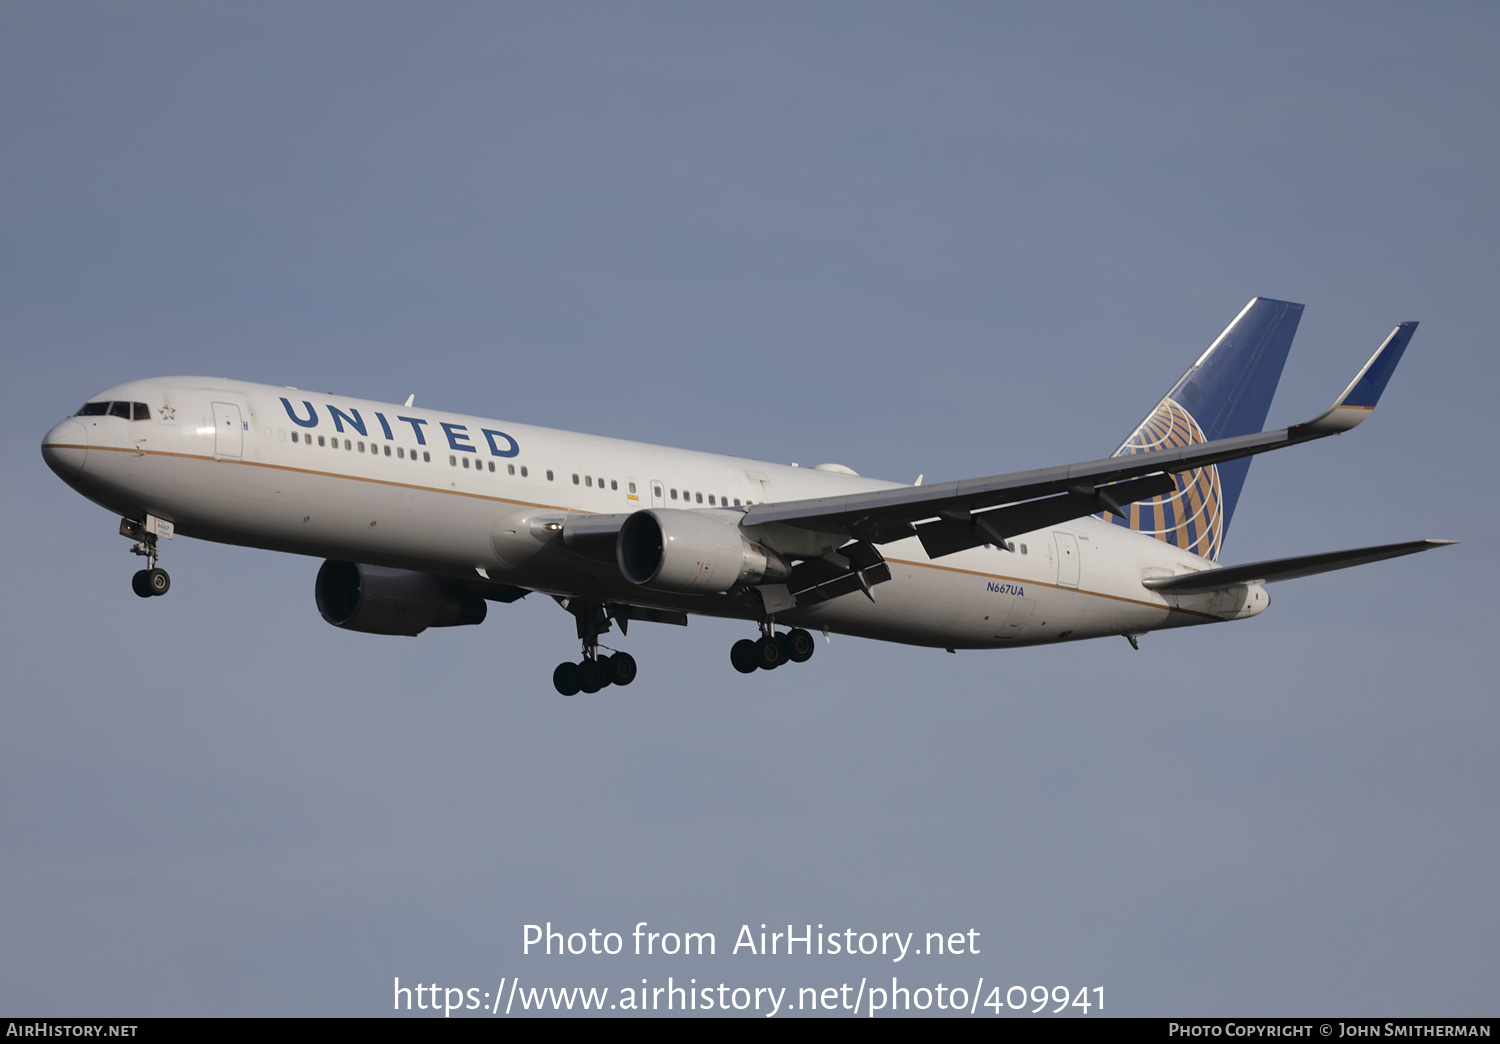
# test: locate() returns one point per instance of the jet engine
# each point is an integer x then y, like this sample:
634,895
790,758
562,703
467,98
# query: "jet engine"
692,552
377,600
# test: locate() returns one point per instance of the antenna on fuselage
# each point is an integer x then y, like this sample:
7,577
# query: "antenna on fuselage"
410,399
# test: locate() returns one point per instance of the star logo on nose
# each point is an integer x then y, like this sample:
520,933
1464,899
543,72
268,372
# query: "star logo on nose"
168,413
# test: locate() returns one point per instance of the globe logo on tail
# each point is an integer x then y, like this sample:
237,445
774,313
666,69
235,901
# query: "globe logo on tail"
1192,516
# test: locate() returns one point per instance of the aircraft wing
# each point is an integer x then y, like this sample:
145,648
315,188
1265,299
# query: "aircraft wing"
951,516
1285,568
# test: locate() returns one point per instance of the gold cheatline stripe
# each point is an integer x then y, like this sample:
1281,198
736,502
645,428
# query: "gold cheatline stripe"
549,507
1055,587
302,471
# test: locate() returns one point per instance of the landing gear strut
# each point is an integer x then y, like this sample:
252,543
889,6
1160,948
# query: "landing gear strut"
593,672
771,650
152,580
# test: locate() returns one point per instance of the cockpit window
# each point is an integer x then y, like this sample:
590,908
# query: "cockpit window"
128,410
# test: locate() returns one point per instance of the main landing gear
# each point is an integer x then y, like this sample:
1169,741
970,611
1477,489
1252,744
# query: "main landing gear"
153,580
771,650
594,671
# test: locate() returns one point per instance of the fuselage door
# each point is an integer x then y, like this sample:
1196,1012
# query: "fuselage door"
229,430
1067,559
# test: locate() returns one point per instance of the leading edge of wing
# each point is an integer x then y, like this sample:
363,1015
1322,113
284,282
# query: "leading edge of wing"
1276,569
885,515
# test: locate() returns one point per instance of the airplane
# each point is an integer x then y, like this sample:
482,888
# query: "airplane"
425,517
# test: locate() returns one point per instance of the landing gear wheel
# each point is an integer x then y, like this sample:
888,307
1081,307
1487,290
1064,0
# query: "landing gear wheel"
567,679
158,581
140,584
800,646
620,668
591,676
769,654
744,656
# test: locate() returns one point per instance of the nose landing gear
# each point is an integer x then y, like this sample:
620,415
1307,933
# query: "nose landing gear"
153,580
148,582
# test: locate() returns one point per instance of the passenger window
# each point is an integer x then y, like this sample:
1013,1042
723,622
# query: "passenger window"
549,474
588,481
426,457
613,484
466,462
400,452
710,500
699,496
510,469
93,409
320,440
523,470
119,409
492,465
575,478
142,411
736,501
346,444
453,461
361,447
294,436
674,494
387,451
632,487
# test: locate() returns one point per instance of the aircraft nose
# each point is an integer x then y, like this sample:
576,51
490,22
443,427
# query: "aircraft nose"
65,448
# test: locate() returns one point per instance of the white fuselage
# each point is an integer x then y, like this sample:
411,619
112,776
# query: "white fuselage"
455,495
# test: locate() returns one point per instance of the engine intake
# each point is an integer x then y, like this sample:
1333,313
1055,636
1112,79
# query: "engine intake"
376,600
691,552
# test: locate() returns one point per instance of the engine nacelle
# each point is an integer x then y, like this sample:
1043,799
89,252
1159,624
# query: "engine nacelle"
690,552
377,600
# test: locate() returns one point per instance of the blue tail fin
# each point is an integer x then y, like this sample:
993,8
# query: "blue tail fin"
1227,392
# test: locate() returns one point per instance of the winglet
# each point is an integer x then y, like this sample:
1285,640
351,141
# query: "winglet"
1359,399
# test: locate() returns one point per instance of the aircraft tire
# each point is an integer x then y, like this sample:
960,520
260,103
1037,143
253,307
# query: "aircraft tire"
140,584
744,656
158,581
567,679
591,676
769,654
620,668
800,646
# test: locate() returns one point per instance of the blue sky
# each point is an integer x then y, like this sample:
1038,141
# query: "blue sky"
945,239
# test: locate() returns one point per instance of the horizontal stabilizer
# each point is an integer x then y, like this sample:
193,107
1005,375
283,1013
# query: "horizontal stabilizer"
1285,568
